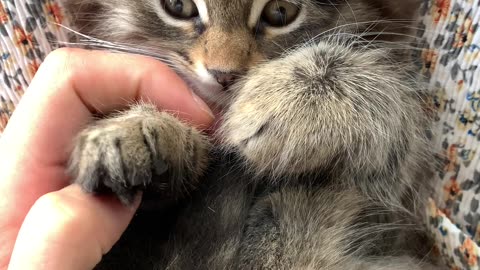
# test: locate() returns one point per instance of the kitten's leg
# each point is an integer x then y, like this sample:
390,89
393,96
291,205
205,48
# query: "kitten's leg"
135,149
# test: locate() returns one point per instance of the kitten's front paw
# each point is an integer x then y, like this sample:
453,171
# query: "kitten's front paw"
324,105
137,149
116,156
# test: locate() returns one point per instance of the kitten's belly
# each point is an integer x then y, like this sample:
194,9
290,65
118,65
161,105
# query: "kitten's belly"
231,223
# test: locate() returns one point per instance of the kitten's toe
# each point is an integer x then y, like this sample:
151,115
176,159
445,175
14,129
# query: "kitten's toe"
114,158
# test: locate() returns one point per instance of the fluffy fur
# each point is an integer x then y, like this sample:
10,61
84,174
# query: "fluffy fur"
321,161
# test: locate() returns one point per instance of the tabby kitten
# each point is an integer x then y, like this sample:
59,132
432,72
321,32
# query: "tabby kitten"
320,159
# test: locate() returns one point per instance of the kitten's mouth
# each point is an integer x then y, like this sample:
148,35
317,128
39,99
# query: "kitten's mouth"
215,95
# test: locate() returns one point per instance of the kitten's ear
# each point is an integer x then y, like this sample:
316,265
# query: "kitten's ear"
83,14
398,17
396,9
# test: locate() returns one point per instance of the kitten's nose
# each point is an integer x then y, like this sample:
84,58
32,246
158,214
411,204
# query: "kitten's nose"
222,77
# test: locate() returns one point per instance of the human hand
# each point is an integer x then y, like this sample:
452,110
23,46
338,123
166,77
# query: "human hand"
45,223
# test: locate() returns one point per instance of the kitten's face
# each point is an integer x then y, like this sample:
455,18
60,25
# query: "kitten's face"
211,43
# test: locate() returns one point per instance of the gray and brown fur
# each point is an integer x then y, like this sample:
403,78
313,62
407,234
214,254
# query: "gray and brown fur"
321,159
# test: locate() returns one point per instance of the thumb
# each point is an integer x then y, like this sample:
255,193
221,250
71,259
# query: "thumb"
69,229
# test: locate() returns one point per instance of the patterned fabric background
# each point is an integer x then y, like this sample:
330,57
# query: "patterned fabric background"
449,60
29,30
448,57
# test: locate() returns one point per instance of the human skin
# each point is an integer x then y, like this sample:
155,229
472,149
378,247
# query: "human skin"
46,222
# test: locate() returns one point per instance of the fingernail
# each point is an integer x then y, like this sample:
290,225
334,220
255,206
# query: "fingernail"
203,106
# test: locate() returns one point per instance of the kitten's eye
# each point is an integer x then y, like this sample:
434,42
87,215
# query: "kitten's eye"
182,9
280,13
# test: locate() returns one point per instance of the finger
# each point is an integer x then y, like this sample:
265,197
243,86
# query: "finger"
72,84
69,229
69,86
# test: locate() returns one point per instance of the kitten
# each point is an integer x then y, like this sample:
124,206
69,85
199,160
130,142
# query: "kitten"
321,159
